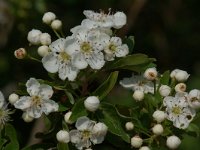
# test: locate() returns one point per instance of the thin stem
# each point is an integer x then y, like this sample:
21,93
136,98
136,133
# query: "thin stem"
32,58
57,34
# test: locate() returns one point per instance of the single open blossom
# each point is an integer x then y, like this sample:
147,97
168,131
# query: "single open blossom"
88,132
60,60
178,110
114,47
4,111
138,83
194,98
39,100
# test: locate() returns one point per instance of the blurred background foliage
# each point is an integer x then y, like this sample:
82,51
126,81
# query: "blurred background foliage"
167,30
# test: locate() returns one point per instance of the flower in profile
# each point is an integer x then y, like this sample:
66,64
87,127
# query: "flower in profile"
4,111
39,100
59,60
137,82
87,132
178,110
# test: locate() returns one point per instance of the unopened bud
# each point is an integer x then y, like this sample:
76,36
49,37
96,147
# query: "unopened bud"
63,136
92,103
20,53
67,116
173,142
56,24
43,50
159,116
34,36
157,129
129,126
45,39
144,148
48,17
164,90
13,98
180,87
151,74
27,118
136,142
138,95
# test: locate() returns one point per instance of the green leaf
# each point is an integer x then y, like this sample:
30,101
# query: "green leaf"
62,146
43,146
130,41
165,78
78,110
62,107
104,89
110,117
193,128
70,97
11,134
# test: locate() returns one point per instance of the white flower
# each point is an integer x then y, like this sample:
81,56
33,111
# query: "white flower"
179,75
45,39
39,100
26,117
4,112
173,142
34,36
87,133
159,116
144,148
43,50
164,90
150,74
180,87
92,103
88,49
63,136
136,142
59,60
67,116
56,24
48,17
138,83
13,98
178,110
194,98
129,126
20,53
119,20
157,129
138,95
114,47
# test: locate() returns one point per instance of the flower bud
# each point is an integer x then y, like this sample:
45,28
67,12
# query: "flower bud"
13,98
179,75
92,103
180,87
56,24
129,126
34,36
164,90
20,53
63,136
157,129
138,95
136,142
150,74
174,72
173,142
194,98
144,148
100,129
48,17
43,50
119,20
88,149
67,116
159,116
27,118
45,39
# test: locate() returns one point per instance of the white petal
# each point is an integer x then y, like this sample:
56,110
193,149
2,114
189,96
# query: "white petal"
50,63
45,91
23,103
49,106
109,57
122,51
97,139
84,123
79,61
119,20
89,24
96,60
116,41
181,122
34,111
32,86
58,45
75,136
71,46
2,100
168,101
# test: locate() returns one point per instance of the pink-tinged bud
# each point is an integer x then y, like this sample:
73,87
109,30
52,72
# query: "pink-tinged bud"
20,53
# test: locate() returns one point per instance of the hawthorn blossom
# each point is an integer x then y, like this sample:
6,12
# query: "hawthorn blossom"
88,132
39,100
178,110
60,59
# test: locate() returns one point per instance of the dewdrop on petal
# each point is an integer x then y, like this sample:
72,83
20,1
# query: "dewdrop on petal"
56,24
150,74
67,116
180,87
129,126
34,36
92,103
157,129
43,50
173,142
159,116
136,141
63,136
164,90
138,95
48,17
144,148
20,53
45,39
13,98
27,118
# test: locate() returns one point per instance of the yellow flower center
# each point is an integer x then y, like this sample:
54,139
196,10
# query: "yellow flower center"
112,47
86,47
36,100
64,56
86,134
176,110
